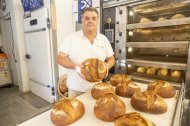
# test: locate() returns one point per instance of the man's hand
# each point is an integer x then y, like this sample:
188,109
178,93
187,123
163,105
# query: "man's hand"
78,70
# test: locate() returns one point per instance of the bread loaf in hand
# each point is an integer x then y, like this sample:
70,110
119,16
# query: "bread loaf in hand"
133,119
109,107
118,78
100,89
67,111
148,102
94,70
162,88
126,89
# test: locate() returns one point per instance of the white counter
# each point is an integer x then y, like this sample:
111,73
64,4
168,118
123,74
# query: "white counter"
89,118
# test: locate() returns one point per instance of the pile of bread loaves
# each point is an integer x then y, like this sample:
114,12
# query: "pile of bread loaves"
159,71
109,107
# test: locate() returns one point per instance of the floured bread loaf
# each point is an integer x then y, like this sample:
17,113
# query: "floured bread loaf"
178,16
162,88
163,72
145,20
109,107
141,69
100,89
148,102
151,71
118,78
162,19
176,74
133,119
67,111
127,89
94,70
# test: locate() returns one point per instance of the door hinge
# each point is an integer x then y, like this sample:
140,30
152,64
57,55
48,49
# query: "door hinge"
53,91
48,23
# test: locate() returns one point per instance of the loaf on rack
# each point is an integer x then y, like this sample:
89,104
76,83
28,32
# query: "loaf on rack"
94,70
118,78
175,73
162,88
126,89
141,69
163,72
67,111
148,102
109,107
100,89
151,71
133,119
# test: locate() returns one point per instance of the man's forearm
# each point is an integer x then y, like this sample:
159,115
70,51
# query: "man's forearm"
64,61
110,61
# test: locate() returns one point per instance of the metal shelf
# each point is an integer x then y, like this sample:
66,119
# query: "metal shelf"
148,63
173,22
173,44
148,80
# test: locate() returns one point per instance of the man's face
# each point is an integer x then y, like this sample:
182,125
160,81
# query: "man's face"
89,21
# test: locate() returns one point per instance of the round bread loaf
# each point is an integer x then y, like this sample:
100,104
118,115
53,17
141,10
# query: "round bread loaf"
94,70
162,88
148,102
163,72
118,78
141,69
162,19
178,16
100,89
151,71
145,20
109,107
127,89
133,119
67,111
176,74
62,86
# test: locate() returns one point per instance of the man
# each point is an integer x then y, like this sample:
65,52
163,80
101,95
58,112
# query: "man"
81,45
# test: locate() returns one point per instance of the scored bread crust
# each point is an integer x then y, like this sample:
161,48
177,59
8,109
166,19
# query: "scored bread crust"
148,102
66,111
118,78
94,70
133,119
100,89
109,107
126,89
162,88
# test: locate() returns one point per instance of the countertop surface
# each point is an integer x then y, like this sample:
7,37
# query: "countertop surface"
89,118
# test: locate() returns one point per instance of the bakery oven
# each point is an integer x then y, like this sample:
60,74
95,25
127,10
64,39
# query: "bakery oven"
152,40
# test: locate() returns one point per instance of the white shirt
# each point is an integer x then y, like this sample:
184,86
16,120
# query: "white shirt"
79,48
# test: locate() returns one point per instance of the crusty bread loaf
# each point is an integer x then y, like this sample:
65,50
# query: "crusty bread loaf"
163,72
145,20
141,69
151,71
176,74
127,89
133,119
162,88
148,102
62,86
118,78
67,111
109,107
178,16
100,89
94,70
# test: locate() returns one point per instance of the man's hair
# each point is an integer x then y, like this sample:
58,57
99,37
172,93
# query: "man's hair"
92,9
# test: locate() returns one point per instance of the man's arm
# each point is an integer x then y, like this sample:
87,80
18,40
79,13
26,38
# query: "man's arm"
63,60
110,61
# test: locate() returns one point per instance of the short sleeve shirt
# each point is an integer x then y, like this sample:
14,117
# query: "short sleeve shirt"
79,48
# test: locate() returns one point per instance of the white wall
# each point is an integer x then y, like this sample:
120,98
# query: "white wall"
64,19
